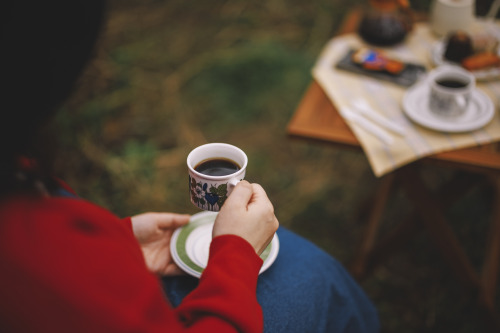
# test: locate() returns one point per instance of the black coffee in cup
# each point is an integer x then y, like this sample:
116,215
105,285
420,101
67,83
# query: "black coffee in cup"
451,83
217,167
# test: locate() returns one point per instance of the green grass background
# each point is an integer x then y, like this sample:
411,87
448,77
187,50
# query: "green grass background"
171,75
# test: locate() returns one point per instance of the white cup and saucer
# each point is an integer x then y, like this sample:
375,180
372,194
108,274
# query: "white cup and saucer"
214,170
448,100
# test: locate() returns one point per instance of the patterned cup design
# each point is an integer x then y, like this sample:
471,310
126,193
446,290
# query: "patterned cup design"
210,192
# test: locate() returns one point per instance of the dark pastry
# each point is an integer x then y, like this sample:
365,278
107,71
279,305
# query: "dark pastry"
458,46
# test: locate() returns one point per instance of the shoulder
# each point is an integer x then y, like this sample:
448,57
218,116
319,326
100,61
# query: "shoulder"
31,210
34,210
68,256
41,224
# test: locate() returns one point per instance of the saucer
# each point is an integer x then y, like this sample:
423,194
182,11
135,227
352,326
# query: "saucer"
190,245
479,113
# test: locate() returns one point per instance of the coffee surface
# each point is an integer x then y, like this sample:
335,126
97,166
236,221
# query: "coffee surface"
217,167
451,83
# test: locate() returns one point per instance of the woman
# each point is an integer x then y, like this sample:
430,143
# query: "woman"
69,265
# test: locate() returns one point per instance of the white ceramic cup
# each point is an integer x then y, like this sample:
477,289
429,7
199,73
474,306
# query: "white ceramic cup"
209,192
450,90
451,15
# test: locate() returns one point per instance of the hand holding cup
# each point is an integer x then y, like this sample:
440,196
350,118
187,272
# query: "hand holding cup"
248,213
217,170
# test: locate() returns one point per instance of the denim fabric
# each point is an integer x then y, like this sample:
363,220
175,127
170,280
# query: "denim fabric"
304,290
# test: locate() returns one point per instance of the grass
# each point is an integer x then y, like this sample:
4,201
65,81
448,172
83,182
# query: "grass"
171,75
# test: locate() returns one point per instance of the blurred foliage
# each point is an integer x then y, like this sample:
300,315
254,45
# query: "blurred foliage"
171,75
176,74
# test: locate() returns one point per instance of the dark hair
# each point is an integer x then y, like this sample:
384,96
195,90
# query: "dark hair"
45,47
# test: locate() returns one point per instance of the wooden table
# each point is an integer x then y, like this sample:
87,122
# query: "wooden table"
317,119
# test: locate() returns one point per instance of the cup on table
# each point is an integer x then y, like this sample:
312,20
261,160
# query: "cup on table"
450,90
214,170
451,15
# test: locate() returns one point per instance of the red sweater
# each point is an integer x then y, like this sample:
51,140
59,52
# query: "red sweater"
67,265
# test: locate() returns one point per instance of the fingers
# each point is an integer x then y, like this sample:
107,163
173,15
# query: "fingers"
241,194
260,197
171,220
173,270
247,213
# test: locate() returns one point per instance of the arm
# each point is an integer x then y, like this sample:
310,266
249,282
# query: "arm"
243,228
248,213
230,280
227,287
72,265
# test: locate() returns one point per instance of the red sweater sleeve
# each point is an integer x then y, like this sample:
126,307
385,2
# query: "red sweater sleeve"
234,300
70,266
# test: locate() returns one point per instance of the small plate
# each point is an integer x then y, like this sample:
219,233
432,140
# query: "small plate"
479,113
482,75
190,245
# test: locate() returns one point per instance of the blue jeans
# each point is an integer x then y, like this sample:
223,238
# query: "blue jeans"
304,290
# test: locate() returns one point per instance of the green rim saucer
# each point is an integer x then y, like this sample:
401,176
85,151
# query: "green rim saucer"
190,245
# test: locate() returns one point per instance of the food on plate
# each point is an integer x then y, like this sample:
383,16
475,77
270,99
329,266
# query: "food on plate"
473,52
458,46
481,60
377,61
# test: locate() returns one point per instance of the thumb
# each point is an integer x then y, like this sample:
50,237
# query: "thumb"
171,220
241,194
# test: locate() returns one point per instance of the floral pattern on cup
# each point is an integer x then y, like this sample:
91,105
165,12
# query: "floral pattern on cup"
209,192
207,196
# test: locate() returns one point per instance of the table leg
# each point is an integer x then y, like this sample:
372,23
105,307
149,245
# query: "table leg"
438,228
409,227
396,239
492,256
359,264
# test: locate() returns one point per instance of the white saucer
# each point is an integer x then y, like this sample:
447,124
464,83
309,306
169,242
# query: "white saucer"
190,245
479,113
